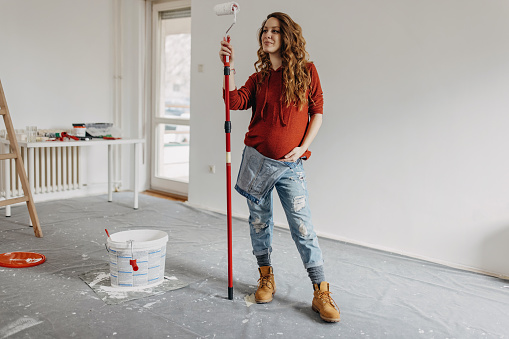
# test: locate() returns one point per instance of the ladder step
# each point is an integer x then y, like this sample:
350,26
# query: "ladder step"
8,156
13,201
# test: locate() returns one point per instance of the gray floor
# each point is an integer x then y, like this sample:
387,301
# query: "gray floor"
381,295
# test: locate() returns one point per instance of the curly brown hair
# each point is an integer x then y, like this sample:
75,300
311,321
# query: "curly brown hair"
296,77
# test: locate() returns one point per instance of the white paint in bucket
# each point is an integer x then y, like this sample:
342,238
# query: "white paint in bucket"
149,251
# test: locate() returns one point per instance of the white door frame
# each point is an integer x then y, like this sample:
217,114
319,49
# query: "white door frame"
179,188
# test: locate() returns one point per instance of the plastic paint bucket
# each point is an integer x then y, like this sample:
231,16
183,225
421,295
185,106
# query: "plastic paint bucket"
147,247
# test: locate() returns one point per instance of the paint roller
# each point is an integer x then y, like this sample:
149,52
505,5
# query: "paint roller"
228,9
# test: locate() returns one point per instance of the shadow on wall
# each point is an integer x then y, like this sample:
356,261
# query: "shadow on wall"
496,253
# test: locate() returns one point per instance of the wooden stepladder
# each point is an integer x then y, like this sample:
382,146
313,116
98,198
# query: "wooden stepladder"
20,168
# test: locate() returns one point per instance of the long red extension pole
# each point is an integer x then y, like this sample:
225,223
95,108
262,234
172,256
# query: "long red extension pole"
228,129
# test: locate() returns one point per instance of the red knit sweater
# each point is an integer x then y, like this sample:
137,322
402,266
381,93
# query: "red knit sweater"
276,129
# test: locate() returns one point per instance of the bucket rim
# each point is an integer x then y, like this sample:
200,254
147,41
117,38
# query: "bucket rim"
125,243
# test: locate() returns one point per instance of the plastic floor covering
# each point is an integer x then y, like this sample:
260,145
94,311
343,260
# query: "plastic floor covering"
381,295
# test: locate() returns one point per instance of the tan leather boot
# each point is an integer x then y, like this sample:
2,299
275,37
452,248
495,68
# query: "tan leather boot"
323,303
266,285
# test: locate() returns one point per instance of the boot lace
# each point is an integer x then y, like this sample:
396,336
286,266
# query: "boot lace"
265,281
325,296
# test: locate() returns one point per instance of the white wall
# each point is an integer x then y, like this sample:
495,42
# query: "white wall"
412,156
57,68
55,65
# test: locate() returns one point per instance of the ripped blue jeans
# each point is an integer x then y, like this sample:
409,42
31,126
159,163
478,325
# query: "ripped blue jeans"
292,191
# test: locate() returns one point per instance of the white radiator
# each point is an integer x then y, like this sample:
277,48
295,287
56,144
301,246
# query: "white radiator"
49,170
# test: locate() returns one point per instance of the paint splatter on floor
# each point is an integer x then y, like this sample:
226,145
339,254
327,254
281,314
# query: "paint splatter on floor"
18,326
98,280
149,305
250,299
100,277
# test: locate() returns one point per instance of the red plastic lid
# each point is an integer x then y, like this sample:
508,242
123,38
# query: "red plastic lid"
21,259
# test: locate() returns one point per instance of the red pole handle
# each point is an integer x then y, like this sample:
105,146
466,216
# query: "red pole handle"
227,127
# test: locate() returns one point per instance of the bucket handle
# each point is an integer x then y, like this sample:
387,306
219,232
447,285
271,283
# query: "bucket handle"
132,262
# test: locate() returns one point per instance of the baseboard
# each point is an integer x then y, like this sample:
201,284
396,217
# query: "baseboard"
164,194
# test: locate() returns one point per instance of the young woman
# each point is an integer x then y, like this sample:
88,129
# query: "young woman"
287,104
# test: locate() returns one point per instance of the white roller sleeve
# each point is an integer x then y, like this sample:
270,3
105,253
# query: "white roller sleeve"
227,8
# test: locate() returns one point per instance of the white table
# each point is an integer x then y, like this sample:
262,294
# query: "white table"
94,142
